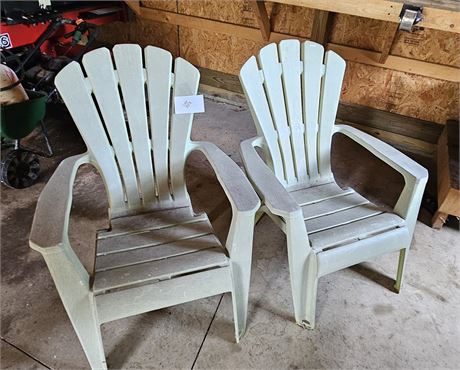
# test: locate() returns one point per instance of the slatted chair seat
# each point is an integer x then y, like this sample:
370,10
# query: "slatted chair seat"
335,217
161,245
157,252
293,92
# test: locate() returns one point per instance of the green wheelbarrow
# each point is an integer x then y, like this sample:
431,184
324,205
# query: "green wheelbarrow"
21,166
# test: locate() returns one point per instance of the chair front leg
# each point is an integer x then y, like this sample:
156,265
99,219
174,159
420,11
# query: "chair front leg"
298,255
72,283
239,245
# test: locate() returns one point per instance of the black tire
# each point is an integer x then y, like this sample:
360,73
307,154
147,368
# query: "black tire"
20,169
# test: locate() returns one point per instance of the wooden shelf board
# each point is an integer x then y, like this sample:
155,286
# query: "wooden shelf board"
441,15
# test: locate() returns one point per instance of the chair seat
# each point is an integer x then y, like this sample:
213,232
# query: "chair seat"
335,216
155,246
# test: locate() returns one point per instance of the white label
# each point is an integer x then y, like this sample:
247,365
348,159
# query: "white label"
5,41
188,104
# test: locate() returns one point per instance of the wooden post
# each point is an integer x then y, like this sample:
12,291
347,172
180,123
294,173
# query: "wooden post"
134,5
388,41
321,26
262,18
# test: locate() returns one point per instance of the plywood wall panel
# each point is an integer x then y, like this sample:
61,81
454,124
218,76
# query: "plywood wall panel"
363,33
169,5
429,45
142,32
235,11
402,93
292,20
223,53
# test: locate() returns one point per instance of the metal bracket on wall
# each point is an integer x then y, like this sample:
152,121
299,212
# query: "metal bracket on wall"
410,15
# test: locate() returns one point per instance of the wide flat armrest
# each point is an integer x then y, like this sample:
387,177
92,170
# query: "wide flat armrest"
235,184
393,157
51,219
415,176
273,193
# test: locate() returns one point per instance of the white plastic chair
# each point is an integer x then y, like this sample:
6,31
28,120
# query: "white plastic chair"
293,92
157,253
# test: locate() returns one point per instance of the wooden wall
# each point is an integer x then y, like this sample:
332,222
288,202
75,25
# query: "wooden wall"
397,92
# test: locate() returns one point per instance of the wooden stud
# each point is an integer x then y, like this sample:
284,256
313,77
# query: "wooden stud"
262,18
321,26
134,5
388,41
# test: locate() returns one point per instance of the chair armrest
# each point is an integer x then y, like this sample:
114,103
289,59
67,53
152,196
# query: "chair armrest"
272,192
415,175
237,187
51,219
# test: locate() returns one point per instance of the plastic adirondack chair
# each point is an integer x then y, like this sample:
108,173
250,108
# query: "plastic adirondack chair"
293,94
157,253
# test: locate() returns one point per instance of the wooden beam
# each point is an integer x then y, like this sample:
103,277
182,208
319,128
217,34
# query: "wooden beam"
388,41
436,18
134,5
321,26
401,64
396,123
262,18
418,67
231,29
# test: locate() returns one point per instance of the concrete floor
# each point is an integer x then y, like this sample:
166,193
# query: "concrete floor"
361,323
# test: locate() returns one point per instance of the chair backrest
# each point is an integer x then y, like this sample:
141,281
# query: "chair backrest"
140,155
293,92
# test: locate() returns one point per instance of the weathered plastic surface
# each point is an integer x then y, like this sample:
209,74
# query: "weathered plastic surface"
293,92
141,158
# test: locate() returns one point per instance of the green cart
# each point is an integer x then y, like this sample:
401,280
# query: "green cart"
21,166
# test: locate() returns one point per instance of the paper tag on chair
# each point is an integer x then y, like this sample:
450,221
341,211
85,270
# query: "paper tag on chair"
188,104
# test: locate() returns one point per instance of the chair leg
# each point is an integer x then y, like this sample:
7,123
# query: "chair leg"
401,266
73,287
301,262
240,298
239,244
88,330
311,289
259,215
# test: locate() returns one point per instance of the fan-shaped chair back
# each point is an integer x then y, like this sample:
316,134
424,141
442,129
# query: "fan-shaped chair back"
122,110
293,92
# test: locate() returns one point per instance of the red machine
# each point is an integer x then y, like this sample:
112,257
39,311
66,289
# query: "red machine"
38,39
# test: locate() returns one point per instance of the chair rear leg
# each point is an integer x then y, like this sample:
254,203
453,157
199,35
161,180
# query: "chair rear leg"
401,266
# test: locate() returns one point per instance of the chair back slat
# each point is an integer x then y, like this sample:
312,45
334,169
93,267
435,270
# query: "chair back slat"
76,94
330,96
104,82
128,62
253,88
271,67
312,55
140,154
158,64
292,67
186,80
295,108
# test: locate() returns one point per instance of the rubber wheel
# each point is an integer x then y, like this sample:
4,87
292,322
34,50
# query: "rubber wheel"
20,169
